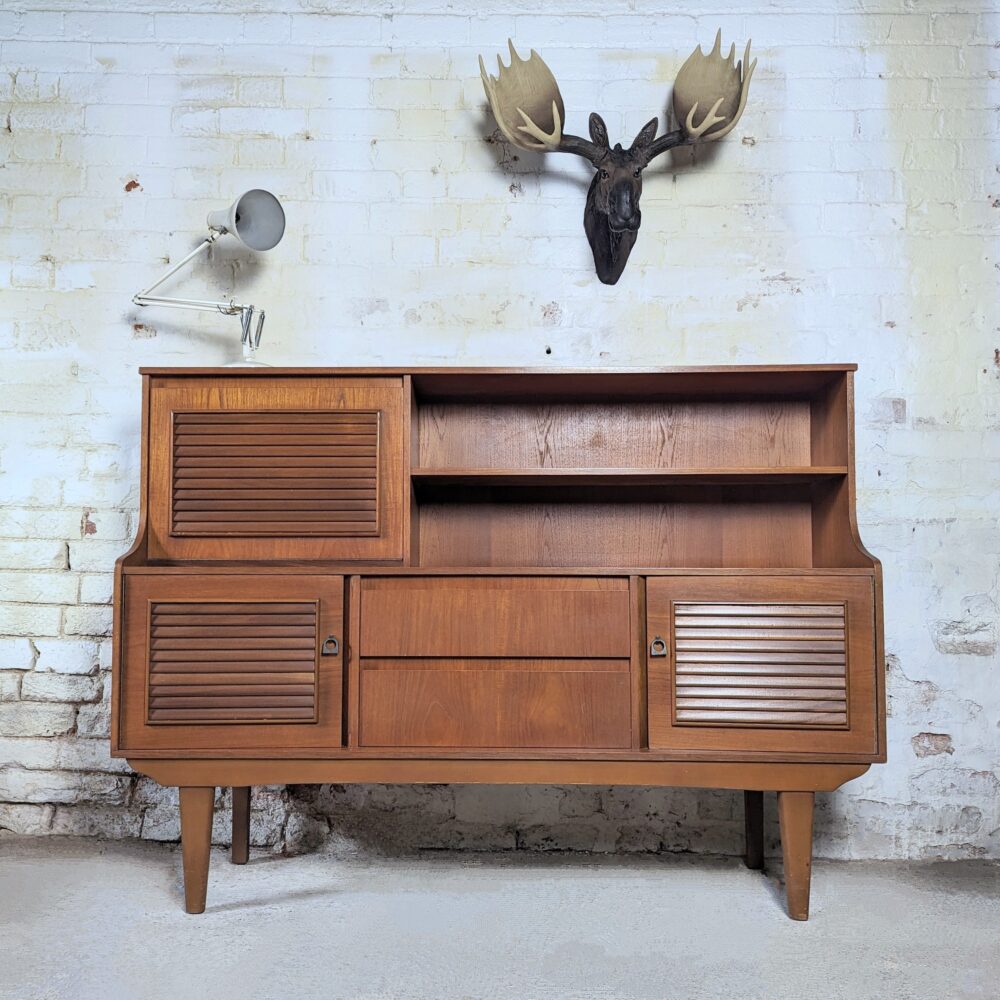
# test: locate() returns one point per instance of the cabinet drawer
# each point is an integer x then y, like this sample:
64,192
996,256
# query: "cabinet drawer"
231,662
290,468
495,617
487,703
785,664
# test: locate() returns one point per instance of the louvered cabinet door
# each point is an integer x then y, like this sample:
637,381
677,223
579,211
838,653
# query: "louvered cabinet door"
759,663
230,663
277,468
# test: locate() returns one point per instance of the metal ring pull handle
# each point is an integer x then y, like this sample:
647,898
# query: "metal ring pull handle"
658,647
331,646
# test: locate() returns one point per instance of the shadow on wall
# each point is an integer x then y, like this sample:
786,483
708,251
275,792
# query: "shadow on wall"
403,819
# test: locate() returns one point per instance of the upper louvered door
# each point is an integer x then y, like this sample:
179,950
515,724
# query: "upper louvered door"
282,468
782,664
284,473
232,662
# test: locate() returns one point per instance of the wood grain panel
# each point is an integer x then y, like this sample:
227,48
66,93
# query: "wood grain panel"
633,434
246,469
281,685
765,535
231,662
474,704
495,617
779,654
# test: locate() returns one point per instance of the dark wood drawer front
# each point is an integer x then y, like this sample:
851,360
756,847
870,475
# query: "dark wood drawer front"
494,616
231,662
784,664
495,704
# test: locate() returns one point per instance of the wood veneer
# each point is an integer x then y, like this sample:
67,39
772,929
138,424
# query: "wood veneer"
499,575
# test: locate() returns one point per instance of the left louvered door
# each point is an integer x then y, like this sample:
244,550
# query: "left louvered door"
298,468
762,663
232,662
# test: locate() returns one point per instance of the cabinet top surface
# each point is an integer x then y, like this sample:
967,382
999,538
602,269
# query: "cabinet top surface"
238,372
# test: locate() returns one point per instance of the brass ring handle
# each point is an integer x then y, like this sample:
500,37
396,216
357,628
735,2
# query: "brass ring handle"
658,647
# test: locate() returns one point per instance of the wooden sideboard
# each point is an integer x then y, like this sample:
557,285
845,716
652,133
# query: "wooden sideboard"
637,577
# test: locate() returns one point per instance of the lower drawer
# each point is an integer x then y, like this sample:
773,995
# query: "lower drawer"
498,703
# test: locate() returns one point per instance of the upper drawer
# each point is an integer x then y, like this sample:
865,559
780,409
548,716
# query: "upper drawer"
495,616
276,468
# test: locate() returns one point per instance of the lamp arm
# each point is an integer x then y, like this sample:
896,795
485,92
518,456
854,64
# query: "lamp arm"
250,340
204,245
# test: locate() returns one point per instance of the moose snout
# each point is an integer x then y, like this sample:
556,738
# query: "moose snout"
623,207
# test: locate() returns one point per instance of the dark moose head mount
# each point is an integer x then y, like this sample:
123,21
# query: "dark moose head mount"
529,109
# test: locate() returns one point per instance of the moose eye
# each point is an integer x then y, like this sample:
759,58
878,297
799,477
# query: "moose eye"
636,173
604,175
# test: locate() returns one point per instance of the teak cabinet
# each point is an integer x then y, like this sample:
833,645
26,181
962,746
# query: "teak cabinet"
499,575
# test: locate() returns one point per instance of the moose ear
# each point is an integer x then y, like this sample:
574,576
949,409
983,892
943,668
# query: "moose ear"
598,130
646,134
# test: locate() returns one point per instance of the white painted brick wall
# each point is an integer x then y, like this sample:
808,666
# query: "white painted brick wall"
852,216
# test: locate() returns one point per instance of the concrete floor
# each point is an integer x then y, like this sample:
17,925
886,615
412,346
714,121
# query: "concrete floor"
84,919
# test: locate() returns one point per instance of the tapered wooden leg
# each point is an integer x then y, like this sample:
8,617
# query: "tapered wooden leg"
753,811
196,844
795,814
241,826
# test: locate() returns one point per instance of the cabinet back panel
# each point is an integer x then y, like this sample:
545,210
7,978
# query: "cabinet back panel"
655,435
712,535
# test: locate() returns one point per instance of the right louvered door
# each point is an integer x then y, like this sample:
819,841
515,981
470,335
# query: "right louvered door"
232,662
283,468
762,663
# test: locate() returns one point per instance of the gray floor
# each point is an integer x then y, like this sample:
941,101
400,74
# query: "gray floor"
86,919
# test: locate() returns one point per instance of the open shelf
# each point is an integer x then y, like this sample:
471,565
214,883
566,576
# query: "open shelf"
626,477
708,469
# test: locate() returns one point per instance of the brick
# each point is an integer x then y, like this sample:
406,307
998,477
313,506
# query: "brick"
67,656
36,719
93,555
26,820
33,586
10,685
220,29
111,822
87,620
422,29
96,588
44,686
30,619
22,785
16,654
269,28
94,721
335,29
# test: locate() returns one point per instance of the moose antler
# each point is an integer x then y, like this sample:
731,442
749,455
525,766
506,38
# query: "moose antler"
711,78
529,109
527,105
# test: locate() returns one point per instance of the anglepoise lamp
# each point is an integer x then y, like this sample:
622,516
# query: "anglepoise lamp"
257,220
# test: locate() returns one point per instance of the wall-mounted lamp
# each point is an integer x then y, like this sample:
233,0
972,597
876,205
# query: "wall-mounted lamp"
257,220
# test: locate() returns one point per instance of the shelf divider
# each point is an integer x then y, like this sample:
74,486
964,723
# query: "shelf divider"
764,475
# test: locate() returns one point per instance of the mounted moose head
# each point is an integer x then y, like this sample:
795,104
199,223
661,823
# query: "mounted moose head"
529,109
